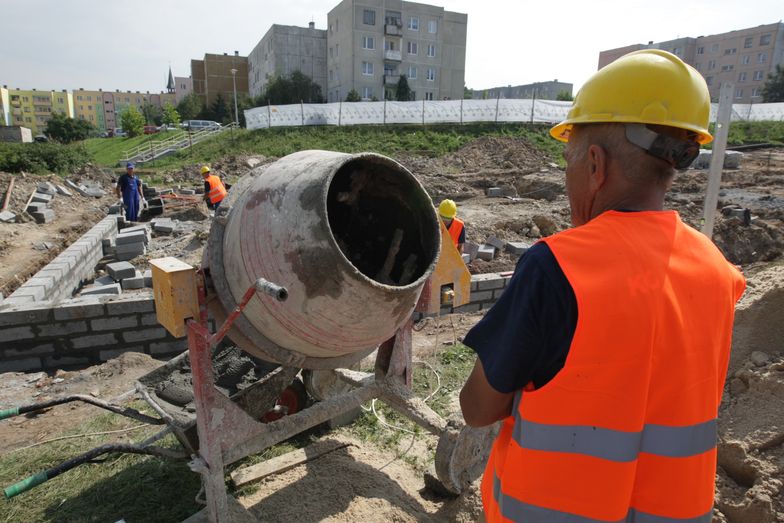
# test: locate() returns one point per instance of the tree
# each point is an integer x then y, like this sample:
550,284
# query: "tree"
773,91
353,96
153,115
219,110
67,130
564,96
190,107
170,115
402,90
132,121
467,93
292,89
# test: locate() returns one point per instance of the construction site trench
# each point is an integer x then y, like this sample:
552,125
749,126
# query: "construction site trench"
74,322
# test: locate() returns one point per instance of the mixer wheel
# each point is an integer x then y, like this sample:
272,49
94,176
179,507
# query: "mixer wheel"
293,399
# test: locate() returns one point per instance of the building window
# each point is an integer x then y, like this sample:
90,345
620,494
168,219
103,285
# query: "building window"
748,42
431,74
676,51
412,73
367,68
431,50
746,59
700,50
732,50
739,93
79,97
711,65
715,48
709,80
331,75
331,51
369,17
762,58
432,26
755,92
367,93
765,39
413,24
89,107
742,77
389,45
413,48
337,26
337,50
759,75
368,42
727,67
428,96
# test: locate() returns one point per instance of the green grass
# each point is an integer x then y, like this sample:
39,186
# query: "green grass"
754,132
108,151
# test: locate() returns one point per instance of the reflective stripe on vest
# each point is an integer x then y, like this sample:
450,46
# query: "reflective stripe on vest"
455,228
217,190
517,510
626,430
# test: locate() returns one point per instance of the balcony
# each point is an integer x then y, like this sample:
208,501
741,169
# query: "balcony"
393,55
391,79
393,30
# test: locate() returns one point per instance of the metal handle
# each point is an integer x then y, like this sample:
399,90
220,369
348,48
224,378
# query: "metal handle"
272,289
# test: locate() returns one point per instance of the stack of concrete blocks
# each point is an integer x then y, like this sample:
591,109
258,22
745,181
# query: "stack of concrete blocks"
470,251
516,249
731,159
64,275
485,291
92,191
38,207
131,242
163,225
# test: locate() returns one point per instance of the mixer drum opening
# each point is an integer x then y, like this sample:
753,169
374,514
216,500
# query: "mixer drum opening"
382,221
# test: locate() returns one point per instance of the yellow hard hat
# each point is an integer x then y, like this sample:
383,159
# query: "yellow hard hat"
205,169
648,87
447,209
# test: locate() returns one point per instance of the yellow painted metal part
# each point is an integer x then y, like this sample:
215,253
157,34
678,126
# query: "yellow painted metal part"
176,294
450,279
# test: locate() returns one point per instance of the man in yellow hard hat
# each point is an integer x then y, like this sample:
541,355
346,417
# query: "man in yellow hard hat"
607,353
456,227
214,190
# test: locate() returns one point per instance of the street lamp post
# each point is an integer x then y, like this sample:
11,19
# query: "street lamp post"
234,82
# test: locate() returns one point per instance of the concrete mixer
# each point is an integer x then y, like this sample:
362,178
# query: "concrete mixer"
313,262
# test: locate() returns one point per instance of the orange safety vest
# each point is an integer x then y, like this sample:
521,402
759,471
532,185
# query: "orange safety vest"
217,190
455,228
626,431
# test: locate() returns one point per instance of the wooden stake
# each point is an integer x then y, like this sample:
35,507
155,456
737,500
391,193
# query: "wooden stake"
8,194
245,475
717,157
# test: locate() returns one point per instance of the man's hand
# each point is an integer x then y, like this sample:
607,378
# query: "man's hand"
481,404
145,205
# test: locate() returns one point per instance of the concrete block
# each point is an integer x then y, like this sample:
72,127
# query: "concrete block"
42,198
120,270
16,333
127,256
115,209
472,249
130,248
62,329
7,217
186,191
45,281
140,302
101,289
126,237
36,207
157,202
94,340
47,188
466,258
155,333
33,293
59,362
77,309
165,226
110,354
21,365
148,320
480,296
148,278
498,243
32,350
155,210
95,192
486,252
168,347
104,280
486,282
493,192
43,216
114,323
516,248
497,293
62,190
137,282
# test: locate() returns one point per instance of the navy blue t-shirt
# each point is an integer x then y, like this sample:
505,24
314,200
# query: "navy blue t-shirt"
526,335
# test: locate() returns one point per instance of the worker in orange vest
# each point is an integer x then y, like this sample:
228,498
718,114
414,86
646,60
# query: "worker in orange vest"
606,355
214,190
456,227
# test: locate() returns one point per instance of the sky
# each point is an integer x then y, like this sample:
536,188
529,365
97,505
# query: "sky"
129,45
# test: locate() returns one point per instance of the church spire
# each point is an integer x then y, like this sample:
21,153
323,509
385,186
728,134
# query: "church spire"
170,84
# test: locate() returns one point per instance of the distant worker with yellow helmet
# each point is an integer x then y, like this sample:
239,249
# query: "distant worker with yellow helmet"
456,227
607,353
214,190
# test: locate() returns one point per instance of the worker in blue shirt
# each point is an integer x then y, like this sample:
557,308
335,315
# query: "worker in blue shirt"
130,187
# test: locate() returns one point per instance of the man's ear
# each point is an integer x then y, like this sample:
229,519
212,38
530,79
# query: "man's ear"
597,167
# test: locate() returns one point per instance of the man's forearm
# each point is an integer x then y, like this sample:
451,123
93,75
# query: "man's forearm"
481,404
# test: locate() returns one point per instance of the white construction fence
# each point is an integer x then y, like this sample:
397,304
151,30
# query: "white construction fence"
447,111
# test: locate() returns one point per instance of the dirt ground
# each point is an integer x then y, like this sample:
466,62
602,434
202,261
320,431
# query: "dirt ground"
368,483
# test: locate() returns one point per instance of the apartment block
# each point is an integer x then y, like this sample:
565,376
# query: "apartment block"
212,76
744,57
89,106
33,108
285,49
371,43
539,90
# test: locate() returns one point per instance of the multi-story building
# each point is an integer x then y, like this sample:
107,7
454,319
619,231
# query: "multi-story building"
744,57
213,75
33,108
285,49
371,43
540,90
183,86
89,106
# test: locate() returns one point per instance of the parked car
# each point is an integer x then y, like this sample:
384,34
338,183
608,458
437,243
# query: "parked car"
200,125
41,138
166,127
119,132
150,129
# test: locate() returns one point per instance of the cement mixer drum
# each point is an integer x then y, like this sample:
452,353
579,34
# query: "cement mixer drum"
352,237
